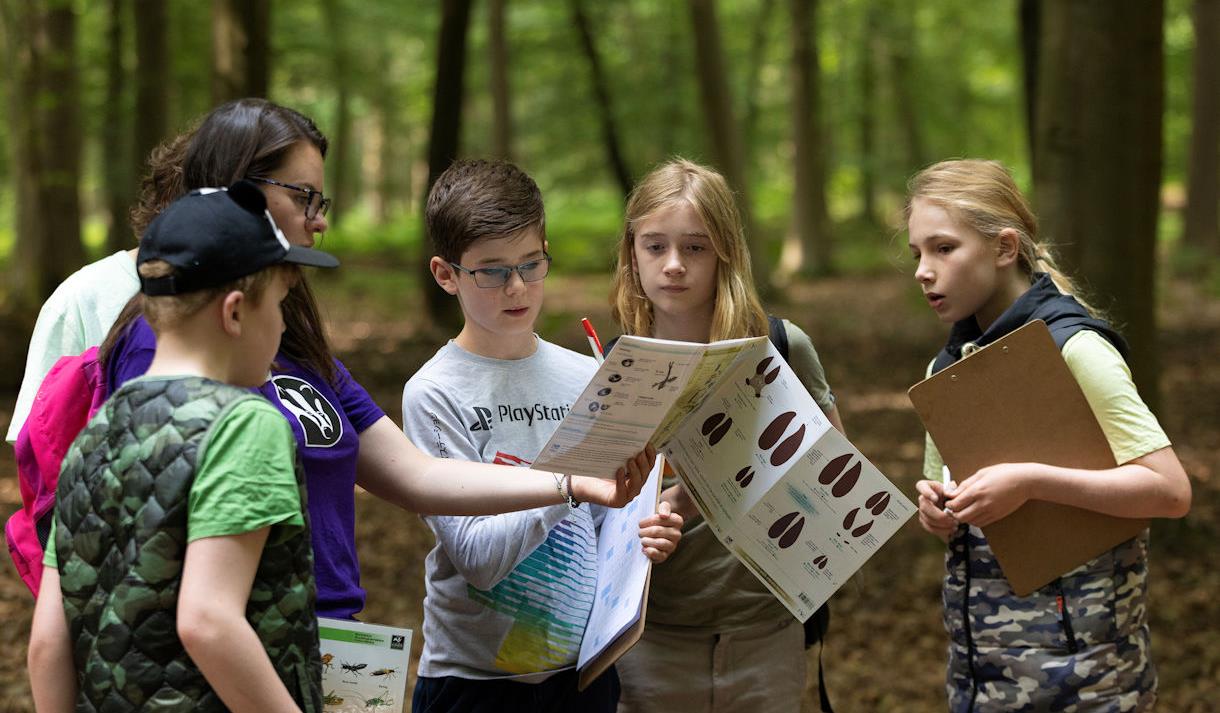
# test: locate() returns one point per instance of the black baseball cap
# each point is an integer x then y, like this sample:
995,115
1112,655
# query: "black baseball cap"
216,235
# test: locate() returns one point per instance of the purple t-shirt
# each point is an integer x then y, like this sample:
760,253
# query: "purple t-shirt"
327,425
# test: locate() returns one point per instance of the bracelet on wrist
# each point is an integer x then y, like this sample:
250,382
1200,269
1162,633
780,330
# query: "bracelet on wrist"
572,501
563,484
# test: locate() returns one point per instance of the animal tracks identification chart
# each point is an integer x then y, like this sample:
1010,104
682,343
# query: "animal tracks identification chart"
784,491
364,666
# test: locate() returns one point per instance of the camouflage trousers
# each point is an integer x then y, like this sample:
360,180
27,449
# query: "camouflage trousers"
1078,644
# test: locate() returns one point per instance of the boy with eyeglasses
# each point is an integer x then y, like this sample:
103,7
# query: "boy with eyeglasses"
508,596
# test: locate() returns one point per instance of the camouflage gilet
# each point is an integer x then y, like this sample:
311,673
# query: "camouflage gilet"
1077,644
121,537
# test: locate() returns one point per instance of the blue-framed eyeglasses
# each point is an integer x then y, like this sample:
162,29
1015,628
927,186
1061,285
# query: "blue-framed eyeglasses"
498,276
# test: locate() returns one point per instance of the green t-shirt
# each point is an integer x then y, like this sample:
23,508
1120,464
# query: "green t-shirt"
1130,427
245,479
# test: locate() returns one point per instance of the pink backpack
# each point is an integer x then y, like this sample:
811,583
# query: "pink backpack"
70,393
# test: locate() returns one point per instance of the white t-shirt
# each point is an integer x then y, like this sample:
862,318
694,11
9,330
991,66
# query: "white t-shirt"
75,317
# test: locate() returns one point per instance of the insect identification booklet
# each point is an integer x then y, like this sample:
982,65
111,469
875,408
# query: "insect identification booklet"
364,666
785,492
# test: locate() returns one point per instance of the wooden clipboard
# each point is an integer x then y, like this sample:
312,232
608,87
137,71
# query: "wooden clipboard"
1016,401
621,645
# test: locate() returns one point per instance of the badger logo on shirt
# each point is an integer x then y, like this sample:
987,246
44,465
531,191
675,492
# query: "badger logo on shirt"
318,417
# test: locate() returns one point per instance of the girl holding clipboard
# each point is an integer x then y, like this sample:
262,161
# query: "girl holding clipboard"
1081,642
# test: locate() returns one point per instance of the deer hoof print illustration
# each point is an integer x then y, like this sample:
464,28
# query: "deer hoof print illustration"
775,434
744,476
715,427
787,529
839,477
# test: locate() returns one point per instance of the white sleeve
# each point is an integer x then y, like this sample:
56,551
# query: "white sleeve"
58,332
483,549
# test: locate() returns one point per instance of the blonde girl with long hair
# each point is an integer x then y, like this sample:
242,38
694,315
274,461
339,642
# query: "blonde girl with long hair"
1082,641
715,635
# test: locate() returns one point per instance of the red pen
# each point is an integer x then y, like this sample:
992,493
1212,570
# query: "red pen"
594,343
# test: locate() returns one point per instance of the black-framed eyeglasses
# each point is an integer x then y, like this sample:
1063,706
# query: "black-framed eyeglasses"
313,201
498,276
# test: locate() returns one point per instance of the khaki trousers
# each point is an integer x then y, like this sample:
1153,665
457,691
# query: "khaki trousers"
760,669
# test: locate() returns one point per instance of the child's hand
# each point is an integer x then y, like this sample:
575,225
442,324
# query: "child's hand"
659,533
991,494
933,516
626,484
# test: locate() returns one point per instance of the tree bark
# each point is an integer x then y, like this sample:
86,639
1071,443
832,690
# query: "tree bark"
338,158
717,108
1030,19
601,91
810,219
1201,222
1098,169
152,78
46,132
902,58
758,47
240,49
444,139
867,123
501,106
116,137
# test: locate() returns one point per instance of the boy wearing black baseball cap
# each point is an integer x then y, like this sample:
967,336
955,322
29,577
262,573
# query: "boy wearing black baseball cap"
179,571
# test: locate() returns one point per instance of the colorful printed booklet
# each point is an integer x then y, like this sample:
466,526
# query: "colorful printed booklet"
364,666
616,620
784,491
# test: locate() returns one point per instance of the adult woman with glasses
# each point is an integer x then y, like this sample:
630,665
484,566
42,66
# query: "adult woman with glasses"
343,437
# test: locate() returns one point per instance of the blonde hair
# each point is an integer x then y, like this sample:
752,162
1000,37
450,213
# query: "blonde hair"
166,310
983,195
737,311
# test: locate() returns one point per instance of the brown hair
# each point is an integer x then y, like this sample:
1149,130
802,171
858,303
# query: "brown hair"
476,199
983,195
738,311
246,137
165,310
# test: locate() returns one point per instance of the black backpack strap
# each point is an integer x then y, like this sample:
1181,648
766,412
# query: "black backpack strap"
816,625
778,335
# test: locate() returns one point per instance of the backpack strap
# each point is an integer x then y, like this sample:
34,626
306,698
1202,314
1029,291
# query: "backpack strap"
778,335
71,392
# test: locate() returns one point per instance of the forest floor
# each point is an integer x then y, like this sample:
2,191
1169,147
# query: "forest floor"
886,647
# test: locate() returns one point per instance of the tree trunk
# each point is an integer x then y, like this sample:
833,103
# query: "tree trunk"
501,107
116,137
338,158
444,139
1098,169
1201,223
811,222
758,47
902,60
152,79
393,146
867,123
601,91
722,127
1030,19
240,38
46,132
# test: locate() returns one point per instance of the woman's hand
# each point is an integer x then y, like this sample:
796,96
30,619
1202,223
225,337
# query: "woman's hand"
627,482
991,494
932,514
660,532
